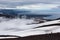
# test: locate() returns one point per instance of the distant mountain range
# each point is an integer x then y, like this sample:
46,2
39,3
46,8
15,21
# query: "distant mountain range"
12,13
19,13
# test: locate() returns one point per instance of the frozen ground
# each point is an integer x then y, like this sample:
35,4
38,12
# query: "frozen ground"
20,28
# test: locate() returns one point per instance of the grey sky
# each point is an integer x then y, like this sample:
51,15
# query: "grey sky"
13,3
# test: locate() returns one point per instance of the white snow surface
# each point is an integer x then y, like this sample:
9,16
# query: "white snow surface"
20,28
7,37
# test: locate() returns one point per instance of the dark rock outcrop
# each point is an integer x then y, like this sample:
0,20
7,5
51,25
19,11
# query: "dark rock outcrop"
55,36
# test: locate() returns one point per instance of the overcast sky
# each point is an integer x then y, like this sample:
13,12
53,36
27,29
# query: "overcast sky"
14,3
31,4
49,6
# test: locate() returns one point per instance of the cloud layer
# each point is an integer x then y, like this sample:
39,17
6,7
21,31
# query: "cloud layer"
14,3
38,6
32,4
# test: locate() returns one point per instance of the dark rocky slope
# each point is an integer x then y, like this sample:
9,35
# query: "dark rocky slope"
55,36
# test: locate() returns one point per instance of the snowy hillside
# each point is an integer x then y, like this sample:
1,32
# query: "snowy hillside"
20,28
